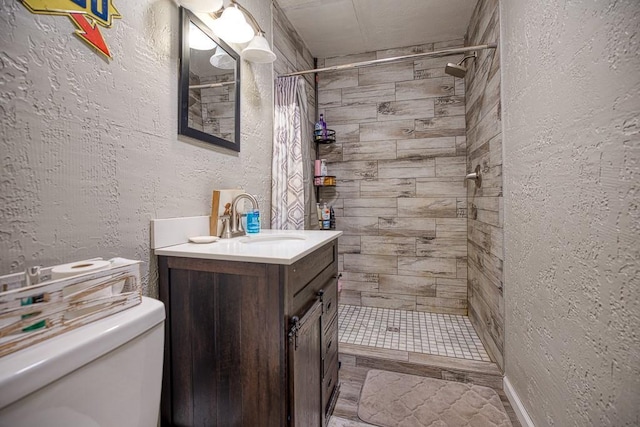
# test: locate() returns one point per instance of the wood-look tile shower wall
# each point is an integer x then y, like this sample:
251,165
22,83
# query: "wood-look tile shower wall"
484,148
400,162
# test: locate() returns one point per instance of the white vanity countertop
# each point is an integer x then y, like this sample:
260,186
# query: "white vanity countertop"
254,249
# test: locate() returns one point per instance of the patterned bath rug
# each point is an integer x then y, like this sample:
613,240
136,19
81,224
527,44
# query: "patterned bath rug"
390,399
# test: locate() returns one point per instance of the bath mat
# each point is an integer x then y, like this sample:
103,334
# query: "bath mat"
390,399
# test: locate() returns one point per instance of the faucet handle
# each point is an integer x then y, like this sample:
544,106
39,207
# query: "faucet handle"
226,229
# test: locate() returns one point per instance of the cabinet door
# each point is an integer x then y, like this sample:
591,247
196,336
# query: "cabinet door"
329,347
305,368
226,345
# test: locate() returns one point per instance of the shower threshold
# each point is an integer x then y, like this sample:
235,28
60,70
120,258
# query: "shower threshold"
412,332
432,345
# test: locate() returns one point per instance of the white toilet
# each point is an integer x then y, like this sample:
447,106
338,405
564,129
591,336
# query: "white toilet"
107,373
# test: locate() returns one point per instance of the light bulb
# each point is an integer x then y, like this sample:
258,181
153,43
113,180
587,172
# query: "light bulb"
204,6
198,39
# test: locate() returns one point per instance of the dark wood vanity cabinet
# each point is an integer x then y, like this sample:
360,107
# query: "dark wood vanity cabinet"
250,344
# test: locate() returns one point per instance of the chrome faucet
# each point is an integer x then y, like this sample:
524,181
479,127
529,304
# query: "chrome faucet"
232,227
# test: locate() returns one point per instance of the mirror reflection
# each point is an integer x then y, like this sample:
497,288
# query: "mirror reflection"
209,86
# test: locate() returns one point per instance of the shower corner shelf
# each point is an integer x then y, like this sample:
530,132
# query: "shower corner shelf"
319,139
328,180
324,181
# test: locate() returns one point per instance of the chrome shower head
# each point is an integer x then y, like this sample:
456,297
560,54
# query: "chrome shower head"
458,70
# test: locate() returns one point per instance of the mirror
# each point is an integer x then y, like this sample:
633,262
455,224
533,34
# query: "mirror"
209,95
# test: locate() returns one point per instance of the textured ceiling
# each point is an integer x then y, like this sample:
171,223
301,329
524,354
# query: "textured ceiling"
341,27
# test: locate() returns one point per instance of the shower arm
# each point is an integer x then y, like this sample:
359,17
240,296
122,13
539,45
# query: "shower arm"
439,53
475,55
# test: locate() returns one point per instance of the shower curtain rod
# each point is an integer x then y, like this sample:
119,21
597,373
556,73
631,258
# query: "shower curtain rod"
211,85
438,53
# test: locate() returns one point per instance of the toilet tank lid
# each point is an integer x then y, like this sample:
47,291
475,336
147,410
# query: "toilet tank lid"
32,368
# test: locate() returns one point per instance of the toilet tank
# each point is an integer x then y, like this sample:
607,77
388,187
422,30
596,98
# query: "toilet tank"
106,373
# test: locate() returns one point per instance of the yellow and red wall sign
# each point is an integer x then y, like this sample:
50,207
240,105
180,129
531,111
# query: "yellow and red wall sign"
86,15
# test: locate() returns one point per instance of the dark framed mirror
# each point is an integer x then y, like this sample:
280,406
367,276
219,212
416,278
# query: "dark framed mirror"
209,93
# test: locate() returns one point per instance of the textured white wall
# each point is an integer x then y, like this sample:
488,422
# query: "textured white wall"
571,106
89,149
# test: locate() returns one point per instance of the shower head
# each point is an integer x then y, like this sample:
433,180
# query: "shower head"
455,70
458,70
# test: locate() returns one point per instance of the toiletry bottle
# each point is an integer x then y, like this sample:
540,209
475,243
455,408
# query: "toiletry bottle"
253,221
318,128
326,217
323,125
323,167
332,218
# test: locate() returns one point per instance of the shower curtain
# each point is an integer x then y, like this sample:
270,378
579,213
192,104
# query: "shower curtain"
287,171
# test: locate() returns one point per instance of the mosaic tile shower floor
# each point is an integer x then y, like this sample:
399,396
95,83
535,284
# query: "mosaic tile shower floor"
415,331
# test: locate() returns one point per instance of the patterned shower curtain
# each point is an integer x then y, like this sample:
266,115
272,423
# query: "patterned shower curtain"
287,172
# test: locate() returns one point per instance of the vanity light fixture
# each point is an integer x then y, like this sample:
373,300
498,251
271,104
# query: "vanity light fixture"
231,25
258,50
222,60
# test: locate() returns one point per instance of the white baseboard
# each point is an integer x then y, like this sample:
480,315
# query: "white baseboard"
516,403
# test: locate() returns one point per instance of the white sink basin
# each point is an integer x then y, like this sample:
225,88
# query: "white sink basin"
273,238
